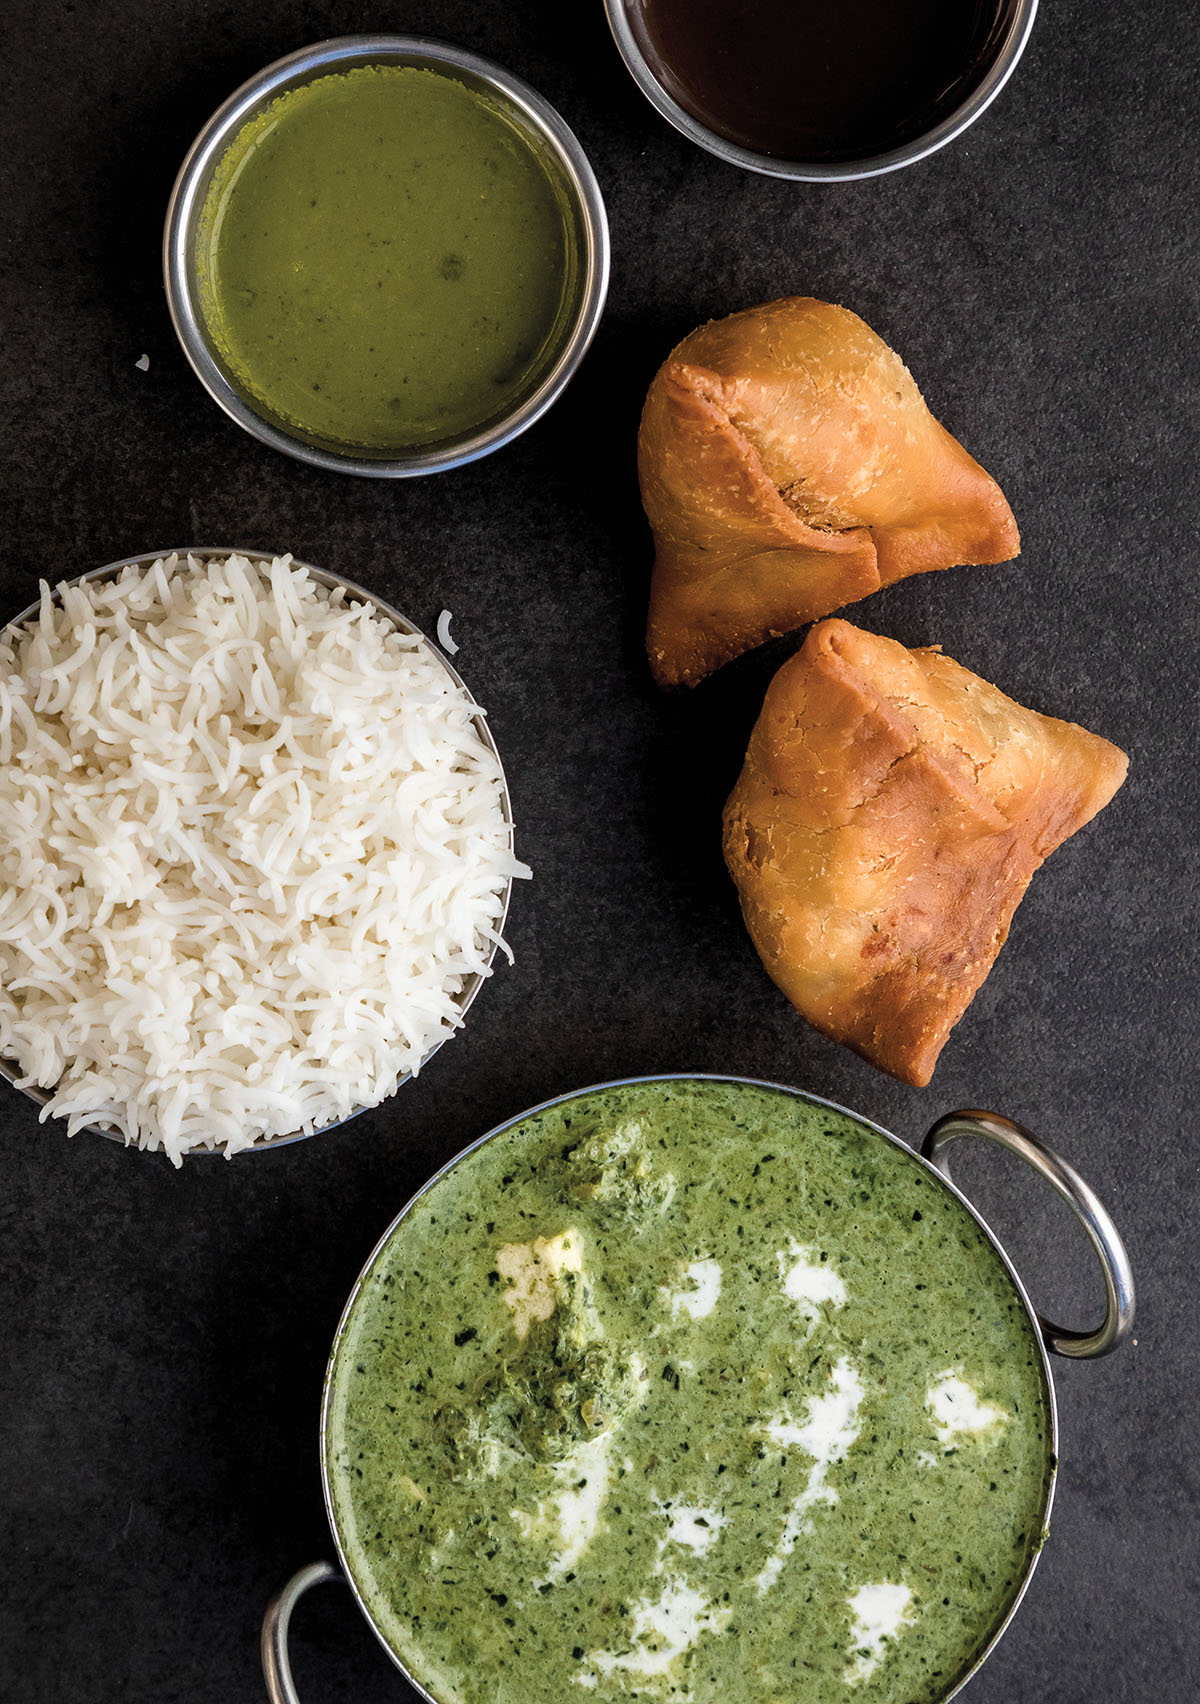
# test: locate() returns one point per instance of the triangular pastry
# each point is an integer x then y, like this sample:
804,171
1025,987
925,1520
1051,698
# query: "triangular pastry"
891,811
789,466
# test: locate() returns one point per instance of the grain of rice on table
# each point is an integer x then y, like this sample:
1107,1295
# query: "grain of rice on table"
252,846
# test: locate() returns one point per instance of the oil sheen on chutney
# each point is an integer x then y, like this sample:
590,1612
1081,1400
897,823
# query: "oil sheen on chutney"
385,259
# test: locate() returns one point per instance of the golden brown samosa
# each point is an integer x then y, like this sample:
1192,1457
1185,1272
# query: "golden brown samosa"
891,811
789,466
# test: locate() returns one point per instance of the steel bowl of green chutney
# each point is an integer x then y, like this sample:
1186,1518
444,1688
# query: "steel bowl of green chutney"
695,1387
385,255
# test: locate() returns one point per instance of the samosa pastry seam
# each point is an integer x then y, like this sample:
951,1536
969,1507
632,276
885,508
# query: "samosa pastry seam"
890,814
789,466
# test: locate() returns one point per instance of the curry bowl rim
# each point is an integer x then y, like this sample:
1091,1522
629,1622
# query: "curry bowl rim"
996,1632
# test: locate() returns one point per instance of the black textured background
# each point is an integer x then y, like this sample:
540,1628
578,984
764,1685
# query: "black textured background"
164,1334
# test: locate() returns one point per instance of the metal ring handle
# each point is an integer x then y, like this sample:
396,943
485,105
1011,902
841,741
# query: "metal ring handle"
277,1670
1105,1239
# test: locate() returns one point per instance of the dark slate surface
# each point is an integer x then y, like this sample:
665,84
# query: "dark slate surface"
164,1333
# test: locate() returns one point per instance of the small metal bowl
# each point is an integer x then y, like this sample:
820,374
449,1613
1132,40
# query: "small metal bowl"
42,1097
626,19
553,141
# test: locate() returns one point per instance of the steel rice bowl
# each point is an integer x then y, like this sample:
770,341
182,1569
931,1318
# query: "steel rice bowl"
331,582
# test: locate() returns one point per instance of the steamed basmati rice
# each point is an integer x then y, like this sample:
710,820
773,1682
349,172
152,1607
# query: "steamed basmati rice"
252,850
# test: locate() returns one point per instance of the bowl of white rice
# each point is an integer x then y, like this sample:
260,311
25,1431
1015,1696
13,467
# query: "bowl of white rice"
256,851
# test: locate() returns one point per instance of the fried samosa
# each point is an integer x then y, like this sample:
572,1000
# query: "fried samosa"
789,466
891,811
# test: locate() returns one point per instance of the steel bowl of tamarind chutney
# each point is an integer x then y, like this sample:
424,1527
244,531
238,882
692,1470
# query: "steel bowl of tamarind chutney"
819,92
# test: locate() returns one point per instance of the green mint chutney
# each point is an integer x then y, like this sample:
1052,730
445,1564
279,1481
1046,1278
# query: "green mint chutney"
692,1391
384,260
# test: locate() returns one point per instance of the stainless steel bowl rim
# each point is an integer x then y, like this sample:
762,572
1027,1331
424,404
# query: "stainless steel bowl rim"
191,186
331,582
823,171
698,1077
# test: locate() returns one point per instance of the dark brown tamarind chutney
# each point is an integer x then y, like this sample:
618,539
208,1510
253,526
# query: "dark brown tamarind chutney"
821,80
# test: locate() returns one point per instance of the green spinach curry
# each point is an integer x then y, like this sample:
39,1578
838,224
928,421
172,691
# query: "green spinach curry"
690,1390
385,259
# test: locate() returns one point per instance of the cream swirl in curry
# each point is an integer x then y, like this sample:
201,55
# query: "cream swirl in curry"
688,1390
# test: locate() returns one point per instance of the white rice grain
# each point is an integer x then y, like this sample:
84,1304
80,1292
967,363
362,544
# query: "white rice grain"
443,633
252,847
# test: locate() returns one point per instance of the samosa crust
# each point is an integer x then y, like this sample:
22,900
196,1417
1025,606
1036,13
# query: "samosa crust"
890,814
789,466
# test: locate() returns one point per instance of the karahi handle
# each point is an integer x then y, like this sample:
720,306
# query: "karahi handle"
277,1669
1091,1213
